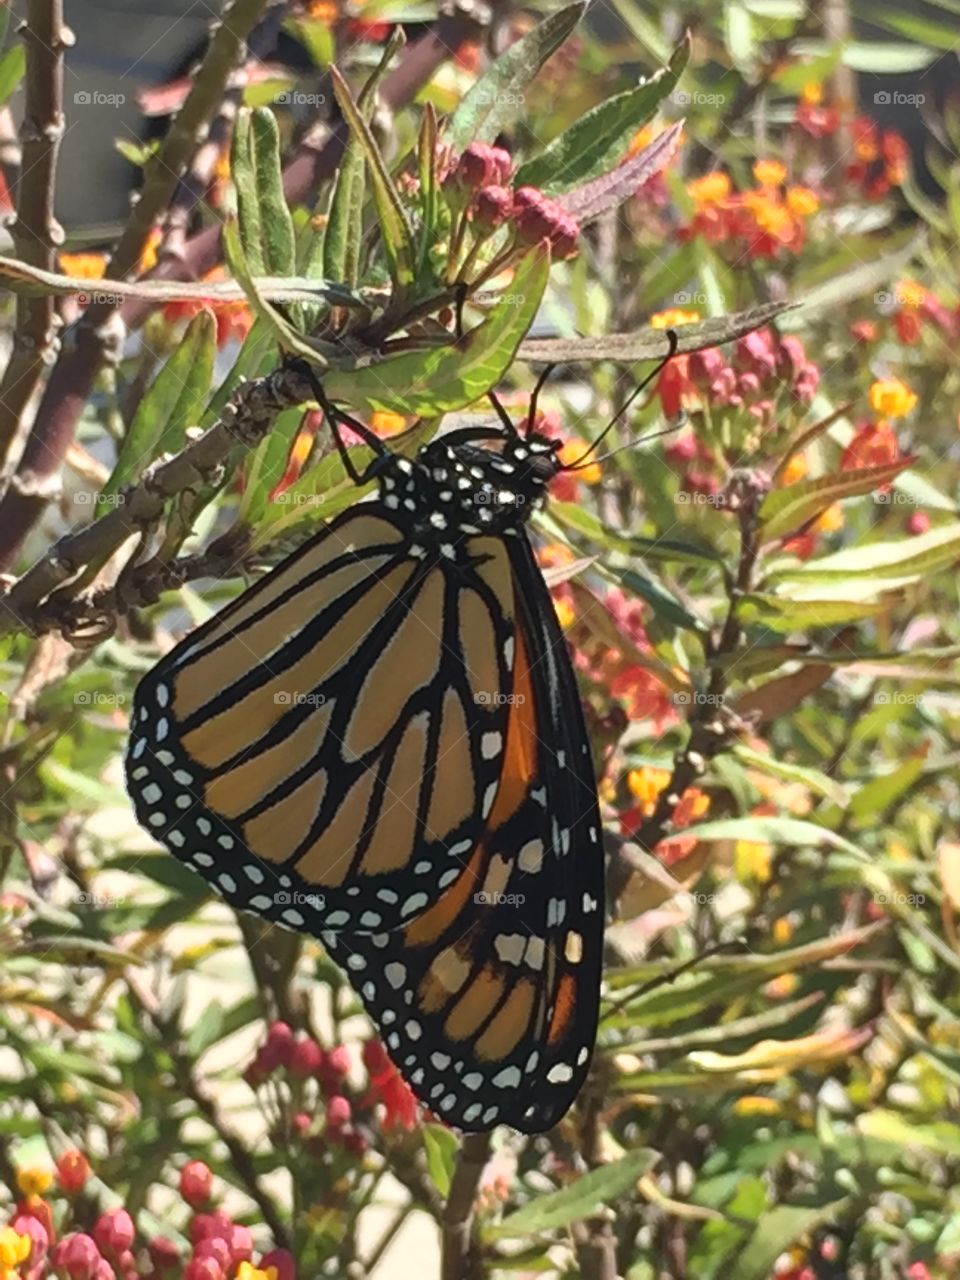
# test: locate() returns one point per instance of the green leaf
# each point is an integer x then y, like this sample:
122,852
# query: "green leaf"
668,550
941,1138
13,64
583,1198
816,781
739,35
773,830
394,223
785,510
496,98
216,1022
174,401
598,196
277,232
883,58
906,560
783,616
875,796
588,147
428,383
776,1230
441,1147
650,344
243,171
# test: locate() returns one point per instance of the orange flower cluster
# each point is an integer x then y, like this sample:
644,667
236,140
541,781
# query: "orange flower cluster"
761,222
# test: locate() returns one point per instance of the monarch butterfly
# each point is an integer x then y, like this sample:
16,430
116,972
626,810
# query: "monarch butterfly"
381,743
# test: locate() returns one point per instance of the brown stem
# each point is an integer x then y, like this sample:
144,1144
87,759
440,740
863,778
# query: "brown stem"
594,1239
247,417
97,338
36,232
460,1256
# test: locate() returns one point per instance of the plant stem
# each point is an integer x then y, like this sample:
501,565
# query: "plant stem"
460,1258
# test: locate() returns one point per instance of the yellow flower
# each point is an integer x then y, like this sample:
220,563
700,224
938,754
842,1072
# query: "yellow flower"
247,1271
801,201
566,614
148,258
756,1105
812,93
34,1181
14,1248
712,188
795,470
892,398
645,784
770,214
324,11
780,988
385,423
831,520
641,139
910,294
672,318
770,173
753,860
782,930
83,266
573,449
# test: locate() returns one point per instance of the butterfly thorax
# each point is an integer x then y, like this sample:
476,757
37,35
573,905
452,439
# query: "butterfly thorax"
456,489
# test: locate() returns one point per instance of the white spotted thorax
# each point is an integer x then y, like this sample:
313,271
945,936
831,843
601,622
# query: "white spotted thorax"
453,490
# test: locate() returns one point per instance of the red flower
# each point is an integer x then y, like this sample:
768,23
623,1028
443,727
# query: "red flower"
874,445
389,1088
114,1231
73,1170
196,1183
306,1060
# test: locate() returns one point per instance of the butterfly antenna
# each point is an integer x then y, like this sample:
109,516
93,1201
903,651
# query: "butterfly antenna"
673,339
681,421
535,396
502,414
337,418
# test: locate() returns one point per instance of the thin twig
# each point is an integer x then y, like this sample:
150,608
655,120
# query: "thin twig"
36,232
593,1239
97,338
245,420
461,1259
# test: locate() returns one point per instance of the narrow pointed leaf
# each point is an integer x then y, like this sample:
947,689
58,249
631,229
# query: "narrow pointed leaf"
600,195
903,560
581,1199
394,224
243,170
785,510
174,401
650,344
599,138
775,1232
783,616
497,97
276,224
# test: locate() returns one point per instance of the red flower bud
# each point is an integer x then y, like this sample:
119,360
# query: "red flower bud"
203,1225
114,1232
24,1224
704,366
918,522
492,207
240,1243
282,1262
306,1060
196,1183
482,166
338,1059
278,1049
164,1254
73,1170
338,1112
375,1057
203,1269
78,1256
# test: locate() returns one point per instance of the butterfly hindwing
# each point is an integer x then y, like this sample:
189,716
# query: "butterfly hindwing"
488,1000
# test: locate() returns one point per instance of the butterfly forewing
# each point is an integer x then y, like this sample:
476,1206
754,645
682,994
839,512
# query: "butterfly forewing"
325,750
488,1000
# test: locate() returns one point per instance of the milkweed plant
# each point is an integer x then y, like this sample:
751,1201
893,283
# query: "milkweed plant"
755,574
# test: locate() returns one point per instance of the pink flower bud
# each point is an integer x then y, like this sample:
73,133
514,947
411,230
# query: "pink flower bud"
214,1247
240,1243
203,1269
204,1225
492,207
282,1262
306,1059
704,366
114,1232
279,1046
196,1183
25,1224
481,166
338,1112
78,1256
